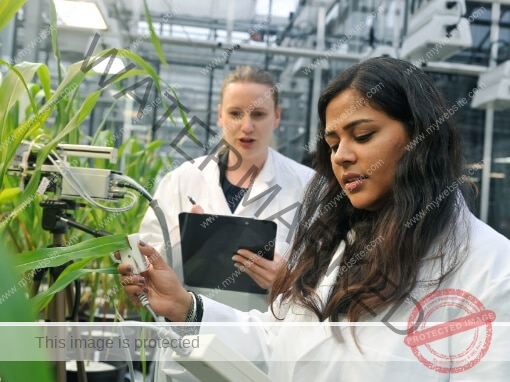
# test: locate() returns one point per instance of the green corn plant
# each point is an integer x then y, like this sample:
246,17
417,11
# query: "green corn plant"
142,163
32,108
14,308
13,305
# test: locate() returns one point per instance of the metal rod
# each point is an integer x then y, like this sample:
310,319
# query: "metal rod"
439,67
57,310
489,121
317,74
276,50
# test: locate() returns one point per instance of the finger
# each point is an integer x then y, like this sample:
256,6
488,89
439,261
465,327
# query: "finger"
153,257
261,281
240,261
133,290
239,258
260,275
249,255
250,268
196,209
277,258
257,261
132,280
125,268
240,265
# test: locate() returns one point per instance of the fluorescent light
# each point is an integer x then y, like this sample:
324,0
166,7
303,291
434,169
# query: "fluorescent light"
80,14
475,166
505,160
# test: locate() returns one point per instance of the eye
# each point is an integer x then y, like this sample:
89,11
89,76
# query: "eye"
236,114
363,138
258,114
333,148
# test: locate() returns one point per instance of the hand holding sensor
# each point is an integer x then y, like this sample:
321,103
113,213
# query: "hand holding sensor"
132,255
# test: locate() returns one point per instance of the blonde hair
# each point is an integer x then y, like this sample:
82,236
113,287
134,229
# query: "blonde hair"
254,74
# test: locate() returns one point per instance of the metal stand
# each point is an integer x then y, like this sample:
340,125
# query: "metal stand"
53,210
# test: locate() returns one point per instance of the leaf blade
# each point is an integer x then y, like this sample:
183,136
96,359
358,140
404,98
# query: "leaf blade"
51,257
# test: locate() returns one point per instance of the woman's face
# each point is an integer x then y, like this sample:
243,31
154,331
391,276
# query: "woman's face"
247,116
366,145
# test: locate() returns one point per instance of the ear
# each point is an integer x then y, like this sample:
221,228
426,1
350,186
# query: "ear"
277,116
220,117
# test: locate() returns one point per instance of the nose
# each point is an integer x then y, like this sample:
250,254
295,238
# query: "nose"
247,124
344,155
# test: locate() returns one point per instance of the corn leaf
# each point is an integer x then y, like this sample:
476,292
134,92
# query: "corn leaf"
71,273
52,257
8,194
154,36
8,9
16,309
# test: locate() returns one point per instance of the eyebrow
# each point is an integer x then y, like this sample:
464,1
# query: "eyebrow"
349,126
235,108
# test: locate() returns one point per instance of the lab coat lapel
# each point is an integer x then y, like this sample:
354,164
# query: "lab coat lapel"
318,336
214,198
263,182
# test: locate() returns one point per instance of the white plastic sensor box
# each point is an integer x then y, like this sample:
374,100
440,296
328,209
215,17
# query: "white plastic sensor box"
493,88
433,42
453,9
213,361
95,182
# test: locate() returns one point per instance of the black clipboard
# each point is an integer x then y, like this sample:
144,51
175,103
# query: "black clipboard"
208,243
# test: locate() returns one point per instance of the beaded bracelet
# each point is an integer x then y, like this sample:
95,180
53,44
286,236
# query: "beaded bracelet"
200,307
190,317
195,314
196,311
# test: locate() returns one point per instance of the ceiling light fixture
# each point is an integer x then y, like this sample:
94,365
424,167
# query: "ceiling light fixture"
80,14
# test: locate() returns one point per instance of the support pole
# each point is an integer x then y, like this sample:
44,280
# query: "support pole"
489,120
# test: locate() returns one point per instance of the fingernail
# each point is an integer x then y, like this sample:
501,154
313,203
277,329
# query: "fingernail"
145,290
142,243
141,280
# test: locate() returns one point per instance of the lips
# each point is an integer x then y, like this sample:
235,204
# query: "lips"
353,181
246,142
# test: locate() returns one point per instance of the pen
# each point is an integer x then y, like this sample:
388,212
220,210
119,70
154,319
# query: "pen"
193,201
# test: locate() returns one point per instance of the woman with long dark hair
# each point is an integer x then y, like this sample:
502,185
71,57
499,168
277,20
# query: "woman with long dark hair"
386,241
392,181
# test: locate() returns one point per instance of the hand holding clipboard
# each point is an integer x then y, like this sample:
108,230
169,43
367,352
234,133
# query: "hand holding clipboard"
209,241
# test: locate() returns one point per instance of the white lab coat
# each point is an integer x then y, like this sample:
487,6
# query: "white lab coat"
309,352
204,186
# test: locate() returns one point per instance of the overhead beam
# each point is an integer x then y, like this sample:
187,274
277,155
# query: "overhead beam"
273,50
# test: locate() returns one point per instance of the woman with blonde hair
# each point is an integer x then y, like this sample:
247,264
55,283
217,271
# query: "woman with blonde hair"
245,177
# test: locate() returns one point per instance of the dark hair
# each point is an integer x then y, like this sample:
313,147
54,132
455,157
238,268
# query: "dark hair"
388,268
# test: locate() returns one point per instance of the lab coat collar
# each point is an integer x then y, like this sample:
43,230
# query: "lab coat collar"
269,169
211,173
264,180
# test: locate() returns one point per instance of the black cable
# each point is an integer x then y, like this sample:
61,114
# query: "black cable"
127,185
77,298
